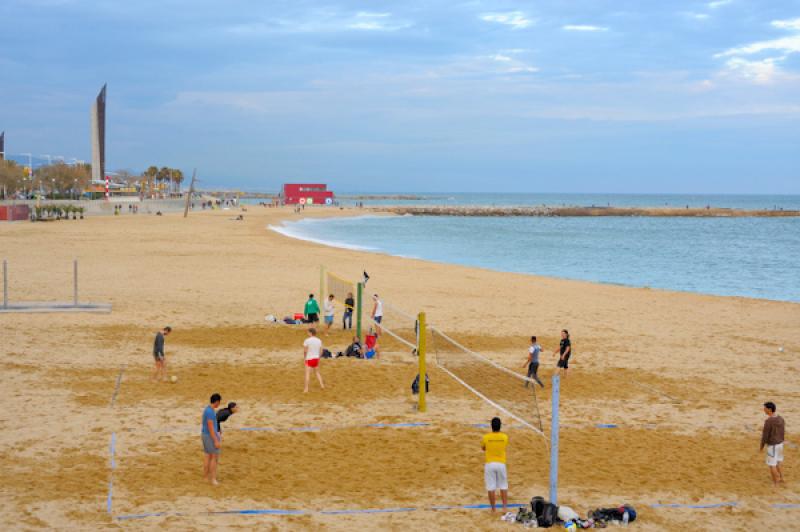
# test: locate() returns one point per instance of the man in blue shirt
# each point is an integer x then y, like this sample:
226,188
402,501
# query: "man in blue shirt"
211,442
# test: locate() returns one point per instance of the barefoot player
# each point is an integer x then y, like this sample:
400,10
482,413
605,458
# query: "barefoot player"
209,433
160,371
494,472
312,350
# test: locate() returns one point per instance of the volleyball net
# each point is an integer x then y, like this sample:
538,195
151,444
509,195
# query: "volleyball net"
510,393
342,290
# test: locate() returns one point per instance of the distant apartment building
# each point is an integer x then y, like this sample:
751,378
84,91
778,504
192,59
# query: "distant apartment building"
306,194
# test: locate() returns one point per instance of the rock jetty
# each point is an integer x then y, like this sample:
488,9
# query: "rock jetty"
463,210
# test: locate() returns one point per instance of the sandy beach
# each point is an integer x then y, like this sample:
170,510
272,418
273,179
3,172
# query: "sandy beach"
682,376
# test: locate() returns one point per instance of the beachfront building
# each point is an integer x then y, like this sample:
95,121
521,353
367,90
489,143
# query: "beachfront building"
306,194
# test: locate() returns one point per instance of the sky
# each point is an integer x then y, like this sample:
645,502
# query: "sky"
438,96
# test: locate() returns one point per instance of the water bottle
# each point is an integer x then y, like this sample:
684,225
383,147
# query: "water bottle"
625,518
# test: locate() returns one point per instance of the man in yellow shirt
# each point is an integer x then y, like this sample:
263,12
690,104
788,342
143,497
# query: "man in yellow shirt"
494,473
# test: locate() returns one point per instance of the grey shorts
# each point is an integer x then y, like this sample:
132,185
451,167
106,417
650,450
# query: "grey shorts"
208,444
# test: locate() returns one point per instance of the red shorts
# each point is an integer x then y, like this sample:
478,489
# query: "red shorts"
313,363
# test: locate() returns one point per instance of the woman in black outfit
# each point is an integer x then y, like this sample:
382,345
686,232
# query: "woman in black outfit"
564,351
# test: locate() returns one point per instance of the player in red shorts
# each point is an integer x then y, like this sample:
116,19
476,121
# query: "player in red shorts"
312,349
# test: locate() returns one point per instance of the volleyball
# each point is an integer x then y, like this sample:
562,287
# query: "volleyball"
780,349
173,379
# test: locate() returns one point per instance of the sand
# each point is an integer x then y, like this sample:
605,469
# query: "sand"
682,376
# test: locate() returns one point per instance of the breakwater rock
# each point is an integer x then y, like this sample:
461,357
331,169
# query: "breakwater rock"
706,212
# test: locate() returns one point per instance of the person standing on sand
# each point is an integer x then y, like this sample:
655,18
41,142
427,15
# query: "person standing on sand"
377,313
495,473
533,362
311,311
209,433
160,371
349,305
330,311
312,349
772,437
564,351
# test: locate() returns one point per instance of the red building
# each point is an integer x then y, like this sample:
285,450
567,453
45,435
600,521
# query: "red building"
308,194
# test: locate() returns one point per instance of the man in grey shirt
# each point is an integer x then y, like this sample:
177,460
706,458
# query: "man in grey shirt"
160,371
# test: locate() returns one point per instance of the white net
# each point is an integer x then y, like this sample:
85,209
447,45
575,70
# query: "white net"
340,287
511,393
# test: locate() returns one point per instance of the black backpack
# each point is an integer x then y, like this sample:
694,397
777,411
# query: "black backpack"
545,512
415,384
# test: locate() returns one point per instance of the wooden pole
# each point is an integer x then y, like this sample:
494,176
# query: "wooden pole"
423,370
189,195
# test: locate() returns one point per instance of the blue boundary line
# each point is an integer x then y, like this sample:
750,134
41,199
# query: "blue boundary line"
696,506
786,506
116,388
112,464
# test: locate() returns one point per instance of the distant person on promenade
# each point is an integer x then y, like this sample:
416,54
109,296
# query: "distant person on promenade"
495,474
564,351
772,437
532,363
349,305
312,350
160,371
330,311
311,311
211,443
377,312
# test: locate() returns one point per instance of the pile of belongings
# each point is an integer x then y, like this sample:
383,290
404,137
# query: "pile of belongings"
543,514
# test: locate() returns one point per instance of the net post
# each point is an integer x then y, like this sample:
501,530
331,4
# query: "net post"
359,297
75,282
321,284
5,283
423,371
556,389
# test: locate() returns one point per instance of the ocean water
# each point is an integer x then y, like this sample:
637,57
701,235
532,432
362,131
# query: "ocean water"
752,257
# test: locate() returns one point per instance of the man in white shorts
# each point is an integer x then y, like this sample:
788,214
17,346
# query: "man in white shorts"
312,349
772,437
494,472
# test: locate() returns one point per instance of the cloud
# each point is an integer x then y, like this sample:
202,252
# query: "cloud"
365,20
785,44
762,71
718,3
515,19
583,27
791,24
696,16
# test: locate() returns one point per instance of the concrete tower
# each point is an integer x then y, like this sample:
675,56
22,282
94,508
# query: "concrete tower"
99,136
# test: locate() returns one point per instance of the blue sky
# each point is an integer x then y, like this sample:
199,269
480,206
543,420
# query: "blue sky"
550,96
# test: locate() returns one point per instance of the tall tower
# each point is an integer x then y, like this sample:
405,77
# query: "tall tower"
99,136
2,145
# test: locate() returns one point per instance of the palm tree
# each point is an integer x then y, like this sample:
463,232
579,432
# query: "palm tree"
151,174
177,178
163,175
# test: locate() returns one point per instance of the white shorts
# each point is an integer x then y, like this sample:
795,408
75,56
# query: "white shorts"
495,476
774,454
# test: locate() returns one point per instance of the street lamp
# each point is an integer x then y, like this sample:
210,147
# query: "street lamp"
53,190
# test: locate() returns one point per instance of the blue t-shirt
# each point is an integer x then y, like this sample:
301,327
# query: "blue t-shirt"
208,414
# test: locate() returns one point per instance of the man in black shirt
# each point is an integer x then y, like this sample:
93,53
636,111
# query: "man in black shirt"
224,413
349,305
160,371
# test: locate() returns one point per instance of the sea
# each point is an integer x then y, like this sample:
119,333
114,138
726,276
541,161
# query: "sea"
750,257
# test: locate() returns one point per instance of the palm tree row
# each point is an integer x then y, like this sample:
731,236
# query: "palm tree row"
162,181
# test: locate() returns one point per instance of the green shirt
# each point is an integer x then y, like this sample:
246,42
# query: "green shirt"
311,307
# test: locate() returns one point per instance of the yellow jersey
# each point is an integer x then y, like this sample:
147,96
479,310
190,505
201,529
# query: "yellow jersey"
495,444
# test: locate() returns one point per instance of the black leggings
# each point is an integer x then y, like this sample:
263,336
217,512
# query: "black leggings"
533,369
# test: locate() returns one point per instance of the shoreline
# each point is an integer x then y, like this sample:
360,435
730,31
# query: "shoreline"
282,230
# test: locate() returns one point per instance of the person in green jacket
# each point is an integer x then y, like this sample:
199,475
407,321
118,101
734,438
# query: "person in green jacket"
311,312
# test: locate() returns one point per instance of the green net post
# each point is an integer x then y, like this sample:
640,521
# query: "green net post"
321,295
359,297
